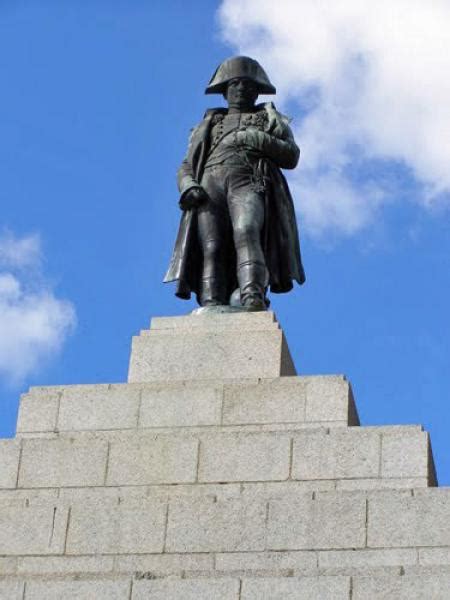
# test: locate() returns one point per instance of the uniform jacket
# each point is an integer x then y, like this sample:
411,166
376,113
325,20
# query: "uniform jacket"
280,238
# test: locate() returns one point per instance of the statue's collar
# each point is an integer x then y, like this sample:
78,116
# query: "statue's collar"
223,111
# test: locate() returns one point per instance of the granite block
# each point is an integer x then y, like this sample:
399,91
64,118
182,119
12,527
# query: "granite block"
39,529
336,455
197,354
396,520
98,589
436,587
62,462
405,455
97,407
211,525
9,463
187,589
129,527
280,400
245,457
181,405
38,410
296,588
153,459
329,521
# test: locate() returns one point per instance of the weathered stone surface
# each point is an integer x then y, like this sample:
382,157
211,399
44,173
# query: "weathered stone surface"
24,498
159,565
280,400
181,405
245,457
33,530
330,398
8,565
153,460
336,455
405,455
310,399
366,558
64,565
258,561
215,322
381,484
426,570
293,588
38,410
434,556
60,463
395,520
210,525
11,589
98,589
187,589
401,588
130,527
196,353
328,521
96,407
9,463
265,491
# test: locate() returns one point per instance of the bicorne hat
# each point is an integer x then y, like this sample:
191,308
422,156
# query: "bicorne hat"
239,66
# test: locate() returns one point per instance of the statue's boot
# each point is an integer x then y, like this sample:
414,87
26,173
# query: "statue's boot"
212,292
252,283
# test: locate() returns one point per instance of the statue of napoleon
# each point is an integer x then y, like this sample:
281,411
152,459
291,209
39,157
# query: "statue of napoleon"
238,234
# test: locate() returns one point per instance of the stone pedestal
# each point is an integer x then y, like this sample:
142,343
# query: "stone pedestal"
211,346
222,481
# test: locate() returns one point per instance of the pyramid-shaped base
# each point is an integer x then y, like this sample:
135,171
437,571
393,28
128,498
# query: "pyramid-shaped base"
230,485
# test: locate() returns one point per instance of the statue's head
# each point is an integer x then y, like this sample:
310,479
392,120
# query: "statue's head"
240,80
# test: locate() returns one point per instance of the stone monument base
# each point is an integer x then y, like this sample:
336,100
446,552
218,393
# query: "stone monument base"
229,482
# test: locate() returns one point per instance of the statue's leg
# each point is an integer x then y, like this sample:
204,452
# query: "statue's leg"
212,230
246,206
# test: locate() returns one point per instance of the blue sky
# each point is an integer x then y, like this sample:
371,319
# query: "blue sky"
96,105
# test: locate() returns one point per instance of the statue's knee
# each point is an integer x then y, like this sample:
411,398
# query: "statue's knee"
245,235
212,249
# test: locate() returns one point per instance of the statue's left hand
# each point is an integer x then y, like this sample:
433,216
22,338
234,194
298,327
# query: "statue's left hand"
250,136
193,198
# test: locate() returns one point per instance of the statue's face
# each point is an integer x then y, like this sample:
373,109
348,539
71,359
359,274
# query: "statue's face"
241,92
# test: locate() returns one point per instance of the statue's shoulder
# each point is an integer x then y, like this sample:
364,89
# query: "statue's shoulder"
214,113
277,123
211,117
273,113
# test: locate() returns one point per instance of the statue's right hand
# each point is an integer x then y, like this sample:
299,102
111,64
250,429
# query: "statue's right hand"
193,198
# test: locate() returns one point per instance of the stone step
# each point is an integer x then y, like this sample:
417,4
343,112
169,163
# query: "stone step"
23,497
129,458
207,321
213,346
366,488
253,521
308,401
409,561
229,588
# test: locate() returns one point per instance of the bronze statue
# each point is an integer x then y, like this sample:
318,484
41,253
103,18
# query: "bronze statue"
238,234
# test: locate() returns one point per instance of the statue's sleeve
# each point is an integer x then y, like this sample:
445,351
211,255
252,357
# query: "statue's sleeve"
283,151
275,140
185,175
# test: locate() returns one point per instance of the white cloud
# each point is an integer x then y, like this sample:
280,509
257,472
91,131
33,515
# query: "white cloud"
34,323
372,82
19,253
